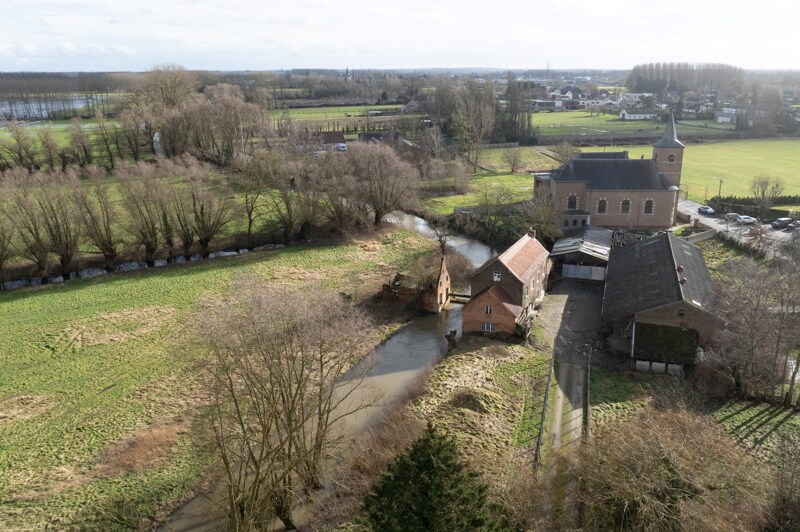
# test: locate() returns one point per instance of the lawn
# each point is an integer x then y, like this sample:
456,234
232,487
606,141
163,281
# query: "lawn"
520,185
760,427
333,113
734,162
97,396
531,159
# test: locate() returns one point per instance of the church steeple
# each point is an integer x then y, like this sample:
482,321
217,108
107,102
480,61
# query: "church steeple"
670,137
668,153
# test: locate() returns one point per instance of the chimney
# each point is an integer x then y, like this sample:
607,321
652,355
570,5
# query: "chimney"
683,281
531,232
679,268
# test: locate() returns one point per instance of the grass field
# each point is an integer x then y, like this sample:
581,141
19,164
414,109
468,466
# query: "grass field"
735,162
532,160
489,383
332,113
521,186
97,401
761,428
582,123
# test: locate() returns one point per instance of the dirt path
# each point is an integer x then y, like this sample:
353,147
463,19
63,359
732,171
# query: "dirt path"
570,317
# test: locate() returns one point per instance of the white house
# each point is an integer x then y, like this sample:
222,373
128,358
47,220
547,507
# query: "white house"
632,99
643,115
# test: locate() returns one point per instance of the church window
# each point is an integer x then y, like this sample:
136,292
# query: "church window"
602,206
648,206
671,158
574,222
625,206
583,222
572,201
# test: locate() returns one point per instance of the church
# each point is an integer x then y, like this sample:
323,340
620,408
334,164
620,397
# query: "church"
612,190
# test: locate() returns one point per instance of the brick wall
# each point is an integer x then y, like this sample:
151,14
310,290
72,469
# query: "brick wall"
474,313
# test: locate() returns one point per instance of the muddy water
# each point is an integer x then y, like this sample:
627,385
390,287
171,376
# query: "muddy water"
396,363
477,252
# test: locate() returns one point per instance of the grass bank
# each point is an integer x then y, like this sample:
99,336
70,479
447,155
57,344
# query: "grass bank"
97,402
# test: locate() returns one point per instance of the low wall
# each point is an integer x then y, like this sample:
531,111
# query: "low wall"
700,237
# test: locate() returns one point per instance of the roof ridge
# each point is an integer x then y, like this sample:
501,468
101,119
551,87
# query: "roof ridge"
670,236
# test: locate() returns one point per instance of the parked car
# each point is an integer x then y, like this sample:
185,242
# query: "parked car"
732,217
747,220
341,146
793,226
781,223
705,209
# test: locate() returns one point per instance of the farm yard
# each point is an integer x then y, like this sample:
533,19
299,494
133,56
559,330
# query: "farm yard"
98,395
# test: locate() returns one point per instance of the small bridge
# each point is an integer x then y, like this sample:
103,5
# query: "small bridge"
459,298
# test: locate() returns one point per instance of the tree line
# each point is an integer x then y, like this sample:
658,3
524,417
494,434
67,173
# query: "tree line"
684,77
177,207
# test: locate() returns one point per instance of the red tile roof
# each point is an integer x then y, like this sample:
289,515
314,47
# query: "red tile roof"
523,259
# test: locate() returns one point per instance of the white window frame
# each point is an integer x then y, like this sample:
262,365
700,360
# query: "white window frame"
488,309
496,276
488,327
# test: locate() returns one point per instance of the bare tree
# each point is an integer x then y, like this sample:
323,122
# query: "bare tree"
181,208
386,182
475,119
108,135
100,218
49,143
766,190
20,147
512,158
211,210
6,241
144,215
539,214
276,368
80,144
60,217
33,241
563,151
493,203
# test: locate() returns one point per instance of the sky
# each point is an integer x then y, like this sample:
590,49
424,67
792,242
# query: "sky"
137,35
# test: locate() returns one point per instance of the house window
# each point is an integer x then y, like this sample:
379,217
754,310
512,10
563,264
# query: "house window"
648,206
583,222
625,206
487,327
681,312
671,158
572,201
566,223
488,309
440,298
602,206
496,276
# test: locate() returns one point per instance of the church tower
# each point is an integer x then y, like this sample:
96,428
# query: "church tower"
668,153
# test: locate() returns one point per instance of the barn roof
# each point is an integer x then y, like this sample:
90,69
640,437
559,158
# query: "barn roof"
654,272
590,240
523,259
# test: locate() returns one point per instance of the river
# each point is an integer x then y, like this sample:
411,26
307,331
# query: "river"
396,363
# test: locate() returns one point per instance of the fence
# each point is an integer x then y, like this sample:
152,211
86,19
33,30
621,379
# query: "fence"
537,453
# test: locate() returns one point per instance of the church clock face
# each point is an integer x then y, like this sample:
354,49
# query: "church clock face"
671,157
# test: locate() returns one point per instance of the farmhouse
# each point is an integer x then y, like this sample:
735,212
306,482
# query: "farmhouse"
611,190
507,288
637,115
658,292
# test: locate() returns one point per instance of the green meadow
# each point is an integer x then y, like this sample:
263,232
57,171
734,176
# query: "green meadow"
520,187
735,162
99,395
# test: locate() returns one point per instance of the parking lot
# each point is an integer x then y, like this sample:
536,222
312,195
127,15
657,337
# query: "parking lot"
740,231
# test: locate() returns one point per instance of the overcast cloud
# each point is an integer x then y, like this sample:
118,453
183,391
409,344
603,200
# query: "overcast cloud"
98,35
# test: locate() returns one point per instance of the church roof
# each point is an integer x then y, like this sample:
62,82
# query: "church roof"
670,137
613,174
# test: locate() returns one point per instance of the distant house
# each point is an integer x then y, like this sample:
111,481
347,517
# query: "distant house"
429,298
637,115
725,116
507,289
658,293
